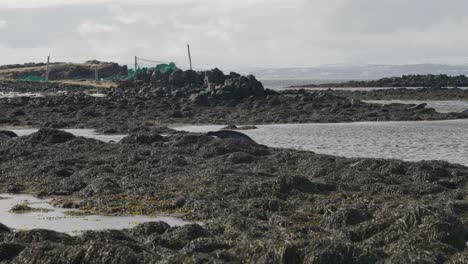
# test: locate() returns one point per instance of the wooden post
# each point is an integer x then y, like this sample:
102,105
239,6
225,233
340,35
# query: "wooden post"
136,63
47,69
189,56
96,74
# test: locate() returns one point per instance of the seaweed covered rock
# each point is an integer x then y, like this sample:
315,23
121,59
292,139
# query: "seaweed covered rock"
50,136
180,78
9,134
228,134
214,77
236,88
321,208
4,229
142,138
9,251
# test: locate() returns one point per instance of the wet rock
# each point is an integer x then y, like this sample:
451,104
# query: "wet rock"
234,127
268,204
322,209
200,99
326,251
227,99
7,133
41,235
51,136
419,106
102,185
298,183
283,253
150,228
206,245
240,157
63,172
179,237
142,138
9,251
179,202
344,217
214,76
22,209
228,134
4,229
181,78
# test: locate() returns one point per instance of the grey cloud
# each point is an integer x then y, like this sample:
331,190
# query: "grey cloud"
242,33
40,27
386,16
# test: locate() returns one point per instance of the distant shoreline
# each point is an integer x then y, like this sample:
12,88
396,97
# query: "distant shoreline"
413,81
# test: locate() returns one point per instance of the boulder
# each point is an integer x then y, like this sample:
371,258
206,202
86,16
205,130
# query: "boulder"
4,229
176,78
9,251
419,106
228,134
7,133
215,76
51,136
142,138
150,228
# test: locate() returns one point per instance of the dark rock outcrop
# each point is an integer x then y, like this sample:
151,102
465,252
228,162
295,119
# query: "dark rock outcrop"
51,136
257,203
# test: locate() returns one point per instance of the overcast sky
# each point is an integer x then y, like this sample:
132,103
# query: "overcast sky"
236,33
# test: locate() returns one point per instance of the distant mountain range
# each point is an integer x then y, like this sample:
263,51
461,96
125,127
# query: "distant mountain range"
355,72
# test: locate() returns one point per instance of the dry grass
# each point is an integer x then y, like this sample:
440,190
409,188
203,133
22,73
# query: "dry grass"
88,83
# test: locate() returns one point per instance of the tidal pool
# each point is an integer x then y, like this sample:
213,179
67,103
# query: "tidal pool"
440,106
88,133
15,94
57,219
412,141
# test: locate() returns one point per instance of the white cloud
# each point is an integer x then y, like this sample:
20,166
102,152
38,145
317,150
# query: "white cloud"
90,29
207,3
46,3
3,24
265,33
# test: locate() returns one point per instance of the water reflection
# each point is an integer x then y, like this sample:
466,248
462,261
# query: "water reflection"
57,219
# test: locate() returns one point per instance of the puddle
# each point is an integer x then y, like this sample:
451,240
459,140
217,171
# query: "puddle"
97,95
15,94
88,133
412,141
439,106
56,219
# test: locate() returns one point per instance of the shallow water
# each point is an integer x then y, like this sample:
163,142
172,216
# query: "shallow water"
439,106
413,141
57,219
285,84
15,94
97,95
88,133
365,88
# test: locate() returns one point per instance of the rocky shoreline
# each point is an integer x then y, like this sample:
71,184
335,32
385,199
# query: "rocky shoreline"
429,80
189,97
258,204
404,94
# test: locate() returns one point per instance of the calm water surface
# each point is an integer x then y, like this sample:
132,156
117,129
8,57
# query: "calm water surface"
58,220
439,106
88,133
413,141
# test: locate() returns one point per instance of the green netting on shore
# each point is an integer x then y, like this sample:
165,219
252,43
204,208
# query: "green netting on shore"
165,68
33,78
162,68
